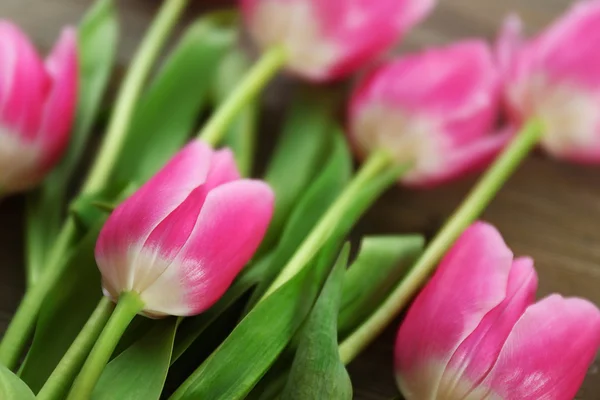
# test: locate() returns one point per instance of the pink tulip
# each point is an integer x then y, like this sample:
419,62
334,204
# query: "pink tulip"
182,238
37,106
556,78
474,332
330,39
434,111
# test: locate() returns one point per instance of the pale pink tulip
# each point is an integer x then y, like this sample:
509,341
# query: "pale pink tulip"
555,77
37,106
474,332
434,111
182,238
330,39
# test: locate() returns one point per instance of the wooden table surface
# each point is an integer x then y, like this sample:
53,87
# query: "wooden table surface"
548,210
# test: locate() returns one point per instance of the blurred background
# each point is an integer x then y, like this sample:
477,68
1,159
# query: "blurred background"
548,210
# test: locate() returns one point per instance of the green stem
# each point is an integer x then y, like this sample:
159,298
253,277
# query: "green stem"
377,162
57,385
22,323
128,306
261,73
470,209
129,94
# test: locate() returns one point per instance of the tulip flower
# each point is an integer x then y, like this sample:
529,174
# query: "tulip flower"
555,78
37,106
182,238
175,246
330,39
434,110
474,332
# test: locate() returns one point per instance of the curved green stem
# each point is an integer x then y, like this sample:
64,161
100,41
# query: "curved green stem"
470,209
57,385
128,306
129,94
377,162
22,323
260,74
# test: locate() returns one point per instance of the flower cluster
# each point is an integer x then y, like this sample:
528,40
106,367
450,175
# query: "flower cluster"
177,228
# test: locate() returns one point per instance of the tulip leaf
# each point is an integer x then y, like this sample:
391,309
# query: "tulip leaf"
312,205
13,388
97,38
380,265
299,155
65,311
237,365
169,110
317,371
240,137
139,372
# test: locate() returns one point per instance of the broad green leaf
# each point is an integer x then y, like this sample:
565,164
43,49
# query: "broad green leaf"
168,111
97,38
300,154
317,371
13,388
380,265
64,313
237,365
139,372
312,205
241,134
191,328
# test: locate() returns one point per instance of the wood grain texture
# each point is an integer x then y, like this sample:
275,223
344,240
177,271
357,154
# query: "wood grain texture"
548,210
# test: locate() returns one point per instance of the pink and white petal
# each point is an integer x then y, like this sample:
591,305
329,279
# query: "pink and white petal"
223,169
548,352
471,281
22,108
463,160
415,11
59,111
508,47
231,225
478,353
8,66
131,223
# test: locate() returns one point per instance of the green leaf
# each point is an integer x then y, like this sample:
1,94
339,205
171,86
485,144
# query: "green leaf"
139,373
12,388
241,134
64,313
317,371
380,265
312,205
169,110
237,365
97,43
300,154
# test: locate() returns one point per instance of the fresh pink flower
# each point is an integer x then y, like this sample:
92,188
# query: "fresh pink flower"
434,110
37,106
555,77
474,332
331,39
182,238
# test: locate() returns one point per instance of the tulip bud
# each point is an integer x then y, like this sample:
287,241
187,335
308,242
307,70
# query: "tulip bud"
433,111
556,78
37,106
474,332
182,238
330,39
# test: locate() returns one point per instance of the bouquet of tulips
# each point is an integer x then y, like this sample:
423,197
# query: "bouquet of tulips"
172,273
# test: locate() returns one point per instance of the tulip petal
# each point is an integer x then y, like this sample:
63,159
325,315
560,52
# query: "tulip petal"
471,281
477,354
59,110
131,223
230,227
22,109
548,352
